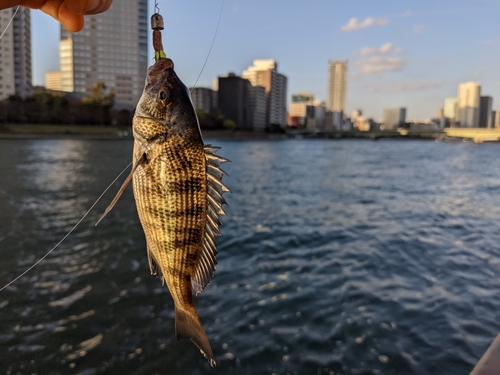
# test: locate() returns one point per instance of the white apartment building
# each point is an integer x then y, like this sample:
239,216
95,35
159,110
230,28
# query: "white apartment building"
111,48
265,73
337,85
15,53
468,101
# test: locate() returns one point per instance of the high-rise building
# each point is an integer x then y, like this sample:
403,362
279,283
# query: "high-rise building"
203,98
234,100
393,118
485,108
337,85
265,73
15,53
258,104
53,80
112,48
496,119
468,104
315,116
450,109
298,108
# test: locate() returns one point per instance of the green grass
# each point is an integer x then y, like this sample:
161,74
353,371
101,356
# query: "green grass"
60,129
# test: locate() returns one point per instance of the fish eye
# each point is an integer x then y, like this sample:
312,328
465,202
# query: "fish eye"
163,95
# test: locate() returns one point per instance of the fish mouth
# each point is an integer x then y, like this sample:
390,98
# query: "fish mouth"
158,70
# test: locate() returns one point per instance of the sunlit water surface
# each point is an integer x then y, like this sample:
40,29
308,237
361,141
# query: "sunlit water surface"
337,257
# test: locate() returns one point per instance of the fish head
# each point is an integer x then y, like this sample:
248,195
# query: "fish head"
165,107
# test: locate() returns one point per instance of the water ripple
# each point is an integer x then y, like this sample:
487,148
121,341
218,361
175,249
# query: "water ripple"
344,257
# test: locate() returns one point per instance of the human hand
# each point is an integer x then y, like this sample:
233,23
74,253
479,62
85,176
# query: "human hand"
69,12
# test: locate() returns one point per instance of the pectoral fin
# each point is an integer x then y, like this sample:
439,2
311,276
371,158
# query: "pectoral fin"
122,189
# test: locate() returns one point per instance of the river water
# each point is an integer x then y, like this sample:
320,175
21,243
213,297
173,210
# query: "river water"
337,257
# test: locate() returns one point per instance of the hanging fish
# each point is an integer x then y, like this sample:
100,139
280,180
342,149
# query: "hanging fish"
178,191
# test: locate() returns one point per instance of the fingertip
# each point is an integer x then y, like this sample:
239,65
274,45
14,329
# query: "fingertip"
97,6
74,23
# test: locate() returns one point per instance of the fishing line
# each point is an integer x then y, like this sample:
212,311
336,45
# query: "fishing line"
123,171
71,231
211,46
12,19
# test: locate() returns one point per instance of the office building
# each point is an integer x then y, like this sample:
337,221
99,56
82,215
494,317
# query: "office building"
53,80
112,48
496,119
234,100
315,116
204,98
265,73
258,105
450,110
485,110
337,85
468,104
15,53
393,118
298,108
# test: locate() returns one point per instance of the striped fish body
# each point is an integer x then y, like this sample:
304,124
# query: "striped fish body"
178,193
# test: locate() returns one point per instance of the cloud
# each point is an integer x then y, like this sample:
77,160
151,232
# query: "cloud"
418,29
490,42
386,48
354,24
377,64
381,59
400,86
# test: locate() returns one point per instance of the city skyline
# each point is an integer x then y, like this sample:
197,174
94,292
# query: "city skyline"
399,55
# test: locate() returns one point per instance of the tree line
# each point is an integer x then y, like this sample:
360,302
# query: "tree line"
45,107
48,107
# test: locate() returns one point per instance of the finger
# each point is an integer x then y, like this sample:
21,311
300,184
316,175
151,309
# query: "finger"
33,4
58,9
88,7
71,21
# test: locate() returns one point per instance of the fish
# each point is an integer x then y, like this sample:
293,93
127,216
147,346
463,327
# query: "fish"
178,191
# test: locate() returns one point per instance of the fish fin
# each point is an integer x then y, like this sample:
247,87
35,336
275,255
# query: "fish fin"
205,266
154,267
122,188
187,324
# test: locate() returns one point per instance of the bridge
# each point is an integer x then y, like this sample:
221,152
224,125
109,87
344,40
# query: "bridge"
477,135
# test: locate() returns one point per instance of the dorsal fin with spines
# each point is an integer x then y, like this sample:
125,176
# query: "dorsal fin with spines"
205,267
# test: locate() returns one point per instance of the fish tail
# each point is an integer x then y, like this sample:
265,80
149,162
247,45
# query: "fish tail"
187,324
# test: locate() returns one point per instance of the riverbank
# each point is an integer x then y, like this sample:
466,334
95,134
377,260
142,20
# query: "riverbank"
477,135
35,131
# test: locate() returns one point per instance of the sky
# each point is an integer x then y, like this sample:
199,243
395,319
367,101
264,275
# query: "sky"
409,54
